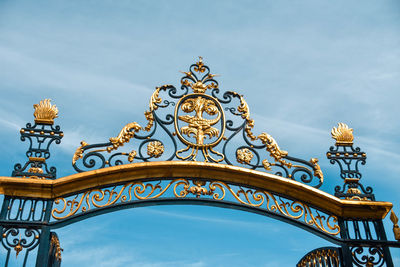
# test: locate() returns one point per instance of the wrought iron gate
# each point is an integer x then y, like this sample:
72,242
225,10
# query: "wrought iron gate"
185,154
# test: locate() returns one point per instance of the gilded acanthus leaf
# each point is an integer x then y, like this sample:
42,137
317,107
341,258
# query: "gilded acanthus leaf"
79,152
244,110
45,112
273,149
342,134
124,136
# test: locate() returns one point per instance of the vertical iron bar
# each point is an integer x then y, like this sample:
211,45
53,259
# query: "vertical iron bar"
42,259
387,255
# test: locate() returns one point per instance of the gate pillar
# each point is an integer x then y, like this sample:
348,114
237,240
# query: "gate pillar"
24,220
365,242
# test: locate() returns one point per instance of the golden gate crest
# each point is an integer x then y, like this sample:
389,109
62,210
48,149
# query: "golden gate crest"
184,154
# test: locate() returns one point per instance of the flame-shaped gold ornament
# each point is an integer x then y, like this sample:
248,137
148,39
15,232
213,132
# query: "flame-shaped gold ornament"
343,134
45,112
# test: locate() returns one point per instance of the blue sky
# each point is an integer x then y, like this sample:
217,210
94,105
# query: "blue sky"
302,66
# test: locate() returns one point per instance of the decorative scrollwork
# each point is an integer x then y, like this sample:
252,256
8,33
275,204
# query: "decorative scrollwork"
20,240
180,188
348,159
197,122
368,256
40,136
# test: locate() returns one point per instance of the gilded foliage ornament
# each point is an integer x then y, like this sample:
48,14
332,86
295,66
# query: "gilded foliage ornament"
244,156
66,207
155,149
199,123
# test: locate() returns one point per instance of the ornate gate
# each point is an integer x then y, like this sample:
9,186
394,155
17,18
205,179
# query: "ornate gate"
198,147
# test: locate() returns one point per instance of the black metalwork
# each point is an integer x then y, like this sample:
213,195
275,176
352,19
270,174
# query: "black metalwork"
236,126
349,160
20,240
70,209
26,224
368,256
40,136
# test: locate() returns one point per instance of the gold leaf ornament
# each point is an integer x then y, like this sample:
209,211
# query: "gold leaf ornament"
155,149
343,134
244,156
396,228
124,135
45,112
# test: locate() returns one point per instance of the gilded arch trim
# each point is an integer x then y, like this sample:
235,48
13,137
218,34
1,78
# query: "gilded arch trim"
81,182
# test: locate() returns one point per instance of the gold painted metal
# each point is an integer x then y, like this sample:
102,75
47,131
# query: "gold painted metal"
45,112
317,169
79,152
37,159
56,243
199,87
182,188
396,228
320,258
343,135
273,149
35,170
199,126
124,135
18,248
141,171
132,155
155,149
244,156
244,110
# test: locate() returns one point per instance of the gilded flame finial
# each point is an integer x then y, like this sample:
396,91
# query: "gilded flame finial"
45,112
396,228
343,134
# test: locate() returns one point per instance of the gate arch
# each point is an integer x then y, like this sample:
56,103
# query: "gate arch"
198,147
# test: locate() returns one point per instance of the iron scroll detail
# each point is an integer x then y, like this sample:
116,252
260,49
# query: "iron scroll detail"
202,125
40,136
129,193
349,160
